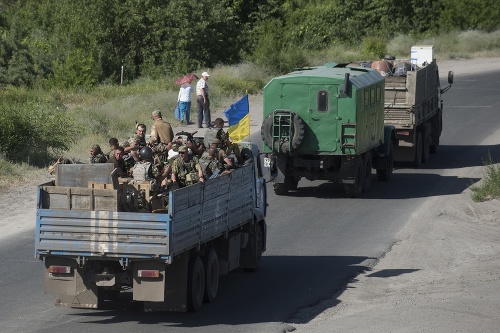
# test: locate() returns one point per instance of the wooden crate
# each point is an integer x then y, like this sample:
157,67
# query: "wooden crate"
76,198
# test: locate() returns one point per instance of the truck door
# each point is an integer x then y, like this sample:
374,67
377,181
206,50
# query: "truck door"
319,110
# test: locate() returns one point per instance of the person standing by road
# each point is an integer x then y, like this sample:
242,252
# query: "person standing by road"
184,101
202,101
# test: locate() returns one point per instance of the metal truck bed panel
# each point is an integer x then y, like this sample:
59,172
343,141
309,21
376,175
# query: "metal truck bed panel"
99,233
197,213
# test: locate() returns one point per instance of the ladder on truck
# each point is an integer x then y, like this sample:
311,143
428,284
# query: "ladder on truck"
348,137
282,130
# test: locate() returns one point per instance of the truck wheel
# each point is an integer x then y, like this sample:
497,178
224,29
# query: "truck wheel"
280,188
196,284
266,131
426,147
386,174
438,128
292,182
368,172
354,190
297,136
258,243
418,151
211,264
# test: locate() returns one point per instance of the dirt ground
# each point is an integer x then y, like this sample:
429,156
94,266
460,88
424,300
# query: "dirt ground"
442,276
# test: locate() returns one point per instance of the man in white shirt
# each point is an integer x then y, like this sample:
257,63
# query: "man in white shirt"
202,101
184,101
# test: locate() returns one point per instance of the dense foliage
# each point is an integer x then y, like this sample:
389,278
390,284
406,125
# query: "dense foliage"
47,46
34,127
81,43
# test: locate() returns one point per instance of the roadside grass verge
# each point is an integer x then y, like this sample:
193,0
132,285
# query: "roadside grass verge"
13,174
489,187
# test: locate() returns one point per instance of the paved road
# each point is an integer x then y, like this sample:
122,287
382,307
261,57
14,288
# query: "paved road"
318,241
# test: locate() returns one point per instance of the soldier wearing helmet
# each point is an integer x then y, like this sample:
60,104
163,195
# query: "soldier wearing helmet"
145,168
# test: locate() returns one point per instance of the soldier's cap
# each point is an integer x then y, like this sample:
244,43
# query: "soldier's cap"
156,113
95,147
183,149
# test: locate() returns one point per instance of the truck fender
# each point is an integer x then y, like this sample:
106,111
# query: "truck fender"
277,168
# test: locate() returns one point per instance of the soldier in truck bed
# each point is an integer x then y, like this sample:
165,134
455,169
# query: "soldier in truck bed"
186,169
134,144
96,155
225,144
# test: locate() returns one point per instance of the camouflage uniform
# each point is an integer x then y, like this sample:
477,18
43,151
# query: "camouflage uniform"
209,165
96,155
186,172
229,146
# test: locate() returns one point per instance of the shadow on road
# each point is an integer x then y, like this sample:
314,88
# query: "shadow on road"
408,182
282,285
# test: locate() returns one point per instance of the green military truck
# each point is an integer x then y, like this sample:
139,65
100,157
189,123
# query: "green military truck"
327,123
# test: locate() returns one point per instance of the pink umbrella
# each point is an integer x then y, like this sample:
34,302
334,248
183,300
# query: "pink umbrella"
186,78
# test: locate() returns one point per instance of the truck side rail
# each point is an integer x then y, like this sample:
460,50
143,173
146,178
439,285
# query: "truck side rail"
197,213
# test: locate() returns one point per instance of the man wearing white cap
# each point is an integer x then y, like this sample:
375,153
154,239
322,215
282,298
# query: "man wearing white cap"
203,101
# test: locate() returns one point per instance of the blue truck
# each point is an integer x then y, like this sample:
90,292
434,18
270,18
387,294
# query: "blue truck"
171,258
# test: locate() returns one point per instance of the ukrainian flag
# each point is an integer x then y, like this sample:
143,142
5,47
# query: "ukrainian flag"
238,116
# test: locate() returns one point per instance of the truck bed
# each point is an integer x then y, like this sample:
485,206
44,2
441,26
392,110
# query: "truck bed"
124,235
412,99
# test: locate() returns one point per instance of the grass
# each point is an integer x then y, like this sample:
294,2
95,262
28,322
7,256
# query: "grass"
489,187
12,174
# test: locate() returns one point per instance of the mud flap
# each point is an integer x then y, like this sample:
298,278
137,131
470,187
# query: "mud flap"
173,286
70,289
278,168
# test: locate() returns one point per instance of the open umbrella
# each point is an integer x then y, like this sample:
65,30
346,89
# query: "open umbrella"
186,78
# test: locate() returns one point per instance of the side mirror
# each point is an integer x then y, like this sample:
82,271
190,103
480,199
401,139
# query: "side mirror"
450,81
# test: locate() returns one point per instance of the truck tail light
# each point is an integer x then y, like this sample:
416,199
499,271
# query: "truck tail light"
148,273
60,269
403,133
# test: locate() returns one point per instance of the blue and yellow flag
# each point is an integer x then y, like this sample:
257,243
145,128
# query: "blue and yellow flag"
238,117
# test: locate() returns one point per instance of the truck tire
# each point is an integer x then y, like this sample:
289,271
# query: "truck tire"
426,146
292,182
196,284
298,129
417,162
354,190
211,263
368,172
386,174
258,244
280,188
435,139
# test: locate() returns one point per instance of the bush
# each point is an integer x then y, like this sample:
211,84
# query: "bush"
34,127
490,185
374,47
